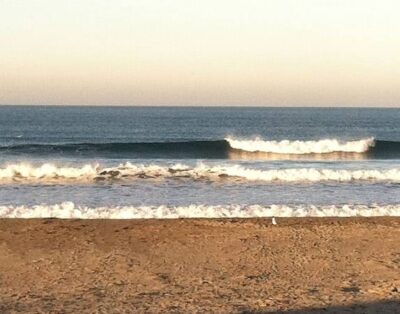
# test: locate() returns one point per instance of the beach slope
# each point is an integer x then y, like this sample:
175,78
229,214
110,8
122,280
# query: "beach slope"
233,265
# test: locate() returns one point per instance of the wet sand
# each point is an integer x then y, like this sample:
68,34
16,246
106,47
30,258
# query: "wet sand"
221,266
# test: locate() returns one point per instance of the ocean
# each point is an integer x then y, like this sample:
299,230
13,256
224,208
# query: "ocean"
179,162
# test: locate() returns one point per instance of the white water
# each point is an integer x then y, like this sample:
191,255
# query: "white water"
45,171
70,210
87,173
302,147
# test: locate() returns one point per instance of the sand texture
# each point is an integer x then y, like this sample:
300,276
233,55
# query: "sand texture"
195,266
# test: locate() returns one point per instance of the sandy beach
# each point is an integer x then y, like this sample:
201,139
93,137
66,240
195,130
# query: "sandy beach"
222,266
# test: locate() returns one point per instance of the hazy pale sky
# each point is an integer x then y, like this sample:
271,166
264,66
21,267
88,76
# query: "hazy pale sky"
206,52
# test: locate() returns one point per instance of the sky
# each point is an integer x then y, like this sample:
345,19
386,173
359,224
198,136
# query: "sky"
206,52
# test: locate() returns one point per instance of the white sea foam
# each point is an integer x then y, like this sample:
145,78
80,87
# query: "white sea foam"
128,171
302,147
70,210
46,171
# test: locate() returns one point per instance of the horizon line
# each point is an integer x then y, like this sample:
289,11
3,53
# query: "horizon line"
205,106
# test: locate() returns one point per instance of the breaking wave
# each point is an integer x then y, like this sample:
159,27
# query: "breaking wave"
48,173
70,210
229,148
302,147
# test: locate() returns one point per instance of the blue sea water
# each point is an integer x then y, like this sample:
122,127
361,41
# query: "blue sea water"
203,160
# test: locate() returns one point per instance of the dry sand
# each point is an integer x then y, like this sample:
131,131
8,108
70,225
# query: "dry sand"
221,266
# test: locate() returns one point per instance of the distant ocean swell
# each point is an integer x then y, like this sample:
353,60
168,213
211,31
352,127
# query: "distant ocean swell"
70,210
48,173
218,149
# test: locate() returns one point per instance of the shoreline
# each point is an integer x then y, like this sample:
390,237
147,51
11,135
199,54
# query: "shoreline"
200,265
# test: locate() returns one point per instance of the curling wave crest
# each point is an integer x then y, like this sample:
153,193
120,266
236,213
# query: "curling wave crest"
302,147
48,173
70,210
